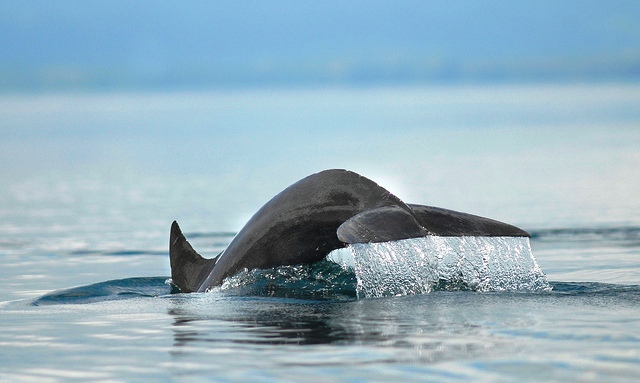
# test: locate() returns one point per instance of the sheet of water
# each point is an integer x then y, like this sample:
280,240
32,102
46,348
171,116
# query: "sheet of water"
417,265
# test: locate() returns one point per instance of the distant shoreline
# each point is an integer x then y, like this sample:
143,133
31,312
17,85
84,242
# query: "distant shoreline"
212,87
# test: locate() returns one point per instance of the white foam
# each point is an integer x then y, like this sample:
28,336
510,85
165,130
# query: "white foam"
416,265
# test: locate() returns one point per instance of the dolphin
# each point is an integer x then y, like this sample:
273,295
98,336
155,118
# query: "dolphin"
320,213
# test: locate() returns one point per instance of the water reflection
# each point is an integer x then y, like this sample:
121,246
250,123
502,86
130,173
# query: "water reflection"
416,329
275,323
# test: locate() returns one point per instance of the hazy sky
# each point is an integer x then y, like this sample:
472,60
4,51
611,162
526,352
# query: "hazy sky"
172,43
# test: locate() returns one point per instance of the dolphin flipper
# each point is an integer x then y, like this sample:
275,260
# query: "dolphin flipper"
188,268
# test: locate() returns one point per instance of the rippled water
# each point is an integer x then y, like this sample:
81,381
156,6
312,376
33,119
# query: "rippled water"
578,332
92,183
306,323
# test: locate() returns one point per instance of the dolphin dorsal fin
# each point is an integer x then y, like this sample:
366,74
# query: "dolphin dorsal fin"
188,268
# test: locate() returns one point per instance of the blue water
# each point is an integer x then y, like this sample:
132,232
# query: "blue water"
91,183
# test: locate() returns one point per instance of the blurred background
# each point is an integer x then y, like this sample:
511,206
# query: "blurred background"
122,115
150,45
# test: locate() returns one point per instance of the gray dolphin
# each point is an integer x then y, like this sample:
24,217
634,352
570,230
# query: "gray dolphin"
320,213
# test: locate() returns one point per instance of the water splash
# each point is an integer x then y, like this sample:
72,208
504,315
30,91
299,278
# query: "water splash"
420,265
406,267
322,280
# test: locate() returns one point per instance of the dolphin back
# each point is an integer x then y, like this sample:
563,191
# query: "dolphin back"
320,213
299,224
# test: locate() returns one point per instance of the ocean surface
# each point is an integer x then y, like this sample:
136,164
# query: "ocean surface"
92,181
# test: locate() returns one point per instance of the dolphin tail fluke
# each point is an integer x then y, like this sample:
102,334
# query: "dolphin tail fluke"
447,222
392,223
382,224
188,268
